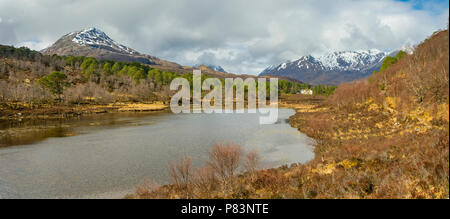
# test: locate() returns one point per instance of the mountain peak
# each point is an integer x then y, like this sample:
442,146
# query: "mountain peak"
96,38
93,42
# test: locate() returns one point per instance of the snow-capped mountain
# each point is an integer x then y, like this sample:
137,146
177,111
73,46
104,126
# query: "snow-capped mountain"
213,67
93,42
331,68
97,39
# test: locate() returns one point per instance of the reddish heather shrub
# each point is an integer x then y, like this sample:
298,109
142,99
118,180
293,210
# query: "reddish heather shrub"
348,94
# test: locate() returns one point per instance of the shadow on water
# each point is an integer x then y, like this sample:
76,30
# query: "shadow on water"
25,132
32,136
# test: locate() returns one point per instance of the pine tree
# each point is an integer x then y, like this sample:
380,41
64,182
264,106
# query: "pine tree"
123,72
106,71
115,68
54,82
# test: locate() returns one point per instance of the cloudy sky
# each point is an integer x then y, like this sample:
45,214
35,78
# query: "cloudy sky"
243,36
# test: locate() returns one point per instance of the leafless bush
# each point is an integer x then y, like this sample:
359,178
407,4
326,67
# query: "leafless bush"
348,94
3,91
145,188
180,172
181,175
224,160
75,94
205,180
89,92
165,94
28,93
251,161
428,73
143,91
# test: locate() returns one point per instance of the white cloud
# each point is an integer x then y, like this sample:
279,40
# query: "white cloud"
39,45
242,36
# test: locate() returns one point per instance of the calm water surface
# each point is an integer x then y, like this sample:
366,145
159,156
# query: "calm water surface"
107,156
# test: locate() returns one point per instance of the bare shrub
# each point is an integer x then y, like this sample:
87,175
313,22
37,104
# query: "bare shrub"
165,94
146,188
428,73
180,172
89,92
33,94
251,161
348,94
224,160
205,181
3,91
143,91
75,94
181,175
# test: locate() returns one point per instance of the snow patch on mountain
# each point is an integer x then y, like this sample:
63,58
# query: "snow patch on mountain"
97,38
282,66
351,60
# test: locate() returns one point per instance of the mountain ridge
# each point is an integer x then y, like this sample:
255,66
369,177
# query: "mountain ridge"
332,68
213,67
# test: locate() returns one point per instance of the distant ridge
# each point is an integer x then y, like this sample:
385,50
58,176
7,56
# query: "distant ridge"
332,68
213,67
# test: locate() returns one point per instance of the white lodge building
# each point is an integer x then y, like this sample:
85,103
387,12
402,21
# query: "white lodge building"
306,92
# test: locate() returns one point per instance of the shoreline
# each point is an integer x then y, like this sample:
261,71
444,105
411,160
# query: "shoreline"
69,111
62,111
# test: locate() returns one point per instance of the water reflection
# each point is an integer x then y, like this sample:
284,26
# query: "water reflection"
23,132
